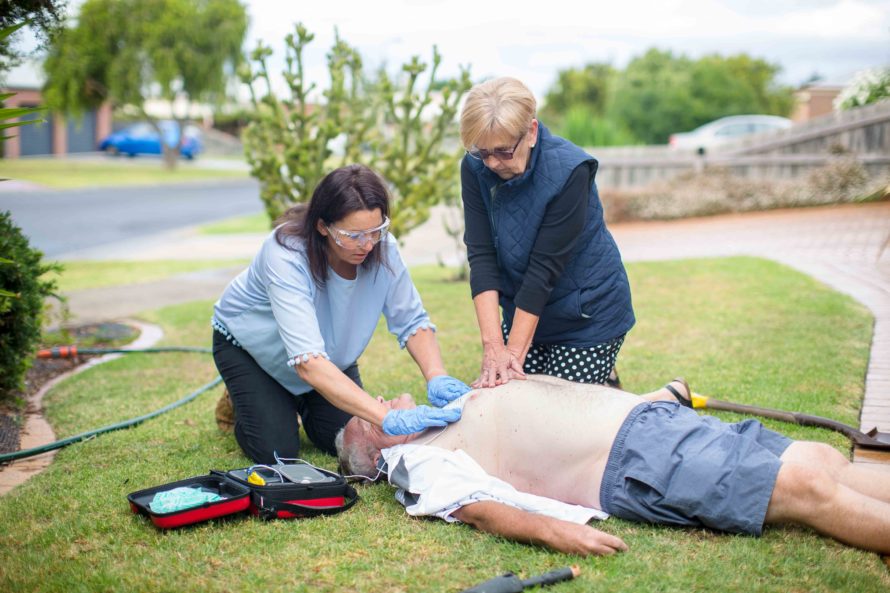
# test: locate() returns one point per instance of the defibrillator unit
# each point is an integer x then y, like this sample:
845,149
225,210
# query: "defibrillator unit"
279,491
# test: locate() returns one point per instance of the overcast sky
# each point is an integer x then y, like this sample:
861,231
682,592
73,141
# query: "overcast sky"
534,40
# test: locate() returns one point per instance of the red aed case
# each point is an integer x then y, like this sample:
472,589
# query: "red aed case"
235,499
295,490
284,491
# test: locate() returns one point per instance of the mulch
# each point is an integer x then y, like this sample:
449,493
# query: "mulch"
44,370
12,417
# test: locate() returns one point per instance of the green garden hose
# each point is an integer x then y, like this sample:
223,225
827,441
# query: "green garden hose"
70,352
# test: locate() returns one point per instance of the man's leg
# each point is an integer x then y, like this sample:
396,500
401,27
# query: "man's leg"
665,394
875,484
811,496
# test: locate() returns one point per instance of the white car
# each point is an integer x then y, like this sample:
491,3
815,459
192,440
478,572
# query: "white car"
727,129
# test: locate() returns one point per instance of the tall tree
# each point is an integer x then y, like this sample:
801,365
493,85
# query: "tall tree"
43,18
129,51
660,93
7,114
653,96
575,106
737,85
587,87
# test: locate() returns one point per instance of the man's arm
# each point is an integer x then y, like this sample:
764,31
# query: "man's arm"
512,523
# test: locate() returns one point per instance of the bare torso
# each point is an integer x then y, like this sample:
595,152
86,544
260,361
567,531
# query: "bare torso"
544,436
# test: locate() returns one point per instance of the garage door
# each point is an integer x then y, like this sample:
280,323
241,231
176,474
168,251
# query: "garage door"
35,138
82,133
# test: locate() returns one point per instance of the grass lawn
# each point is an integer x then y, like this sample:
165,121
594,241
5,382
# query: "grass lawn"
72,173
253,223
81,275
743,329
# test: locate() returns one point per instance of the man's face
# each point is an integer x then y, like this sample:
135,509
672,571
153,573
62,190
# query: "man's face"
363,431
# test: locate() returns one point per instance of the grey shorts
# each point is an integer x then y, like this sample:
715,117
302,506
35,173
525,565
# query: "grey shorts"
669,465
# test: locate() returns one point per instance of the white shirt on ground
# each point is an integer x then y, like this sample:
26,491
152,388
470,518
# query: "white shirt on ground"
434,481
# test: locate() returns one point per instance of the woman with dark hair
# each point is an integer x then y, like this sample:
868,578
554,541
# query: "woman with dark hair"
288,331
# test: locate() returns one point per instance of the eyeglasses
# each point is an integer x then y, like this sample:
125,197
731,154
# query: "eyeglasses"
499,153
352,239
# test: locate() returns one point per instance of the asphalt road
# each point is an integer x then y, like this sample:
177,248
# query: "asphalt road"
59,222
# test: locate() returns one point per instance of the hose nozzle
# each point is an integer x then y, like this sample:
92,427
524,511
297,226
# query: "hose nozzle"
510,583
58,352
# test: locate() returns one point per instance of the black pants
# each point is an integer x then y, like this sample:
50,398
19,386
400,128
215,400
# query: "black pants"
266,413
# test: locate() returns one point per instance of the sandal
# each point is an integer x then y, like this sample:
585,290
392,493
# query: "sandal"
613,380
685,400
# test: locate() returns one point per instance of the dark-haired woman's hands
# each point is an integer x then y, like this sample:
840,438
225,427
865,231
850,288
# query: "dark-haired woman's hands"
443,389
399,422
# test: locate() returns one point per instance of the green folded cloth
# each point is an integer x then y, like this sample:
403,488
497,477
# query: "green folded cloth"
181,498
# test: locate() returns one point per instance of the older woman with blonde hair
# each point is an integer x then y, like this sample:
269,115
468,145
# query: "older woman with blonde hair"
537,245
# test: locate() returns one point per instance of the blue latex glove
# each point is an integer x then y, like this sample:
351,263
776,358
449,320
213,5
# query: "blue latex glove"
443,389
407,421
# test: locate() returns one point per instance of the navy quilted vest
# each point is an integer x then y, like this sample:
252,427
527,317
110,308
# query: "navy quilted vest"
590,303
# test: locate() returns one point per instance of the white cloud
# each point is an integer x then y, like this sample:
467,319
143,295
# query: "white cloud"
532,40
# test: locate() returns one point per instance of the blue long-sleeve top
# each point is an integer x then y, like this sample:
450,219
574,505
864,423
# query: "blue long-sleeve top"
279,315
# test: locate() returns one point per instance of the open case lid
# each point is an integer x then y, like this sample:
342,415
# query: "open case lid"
234,498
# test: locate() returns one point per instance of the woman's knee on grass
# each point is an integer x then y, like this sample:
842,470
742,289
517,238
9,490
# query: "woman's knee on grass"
264,450
801,494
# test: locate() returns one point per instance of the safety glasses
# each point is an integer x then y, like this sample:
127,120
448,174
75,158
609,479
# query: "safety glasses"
501,154
353,239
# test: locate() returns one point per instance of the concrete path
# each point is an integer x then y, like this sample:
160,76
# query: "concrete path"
846,247
116,302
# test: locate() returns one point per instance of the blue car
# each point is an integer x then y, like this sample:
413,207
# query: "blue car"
142,138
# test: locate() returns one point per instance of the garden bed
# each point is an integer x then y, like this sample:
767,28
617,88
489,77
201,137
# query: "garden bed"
42,371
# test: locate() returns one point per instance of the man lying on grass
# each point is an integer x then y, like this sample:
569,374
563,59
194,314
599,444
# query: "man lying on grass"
535,460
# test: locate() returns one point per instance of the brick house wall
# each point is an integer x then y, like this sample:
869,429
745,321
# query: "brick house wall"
58,138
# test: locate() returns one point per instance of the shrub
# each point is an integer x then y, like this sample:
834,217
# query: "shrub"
867,87
405,128
22,296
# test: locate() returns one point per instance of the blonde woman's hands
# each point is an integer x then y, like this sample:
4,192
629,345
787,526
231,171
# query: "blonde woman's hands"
499,365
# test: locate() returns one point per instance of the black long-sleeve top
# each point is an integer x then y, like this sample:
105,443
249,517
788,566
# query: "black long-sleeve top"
559,231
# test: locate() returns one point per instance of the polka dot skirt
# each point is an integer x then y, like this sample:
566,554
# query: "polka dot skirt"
578,364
